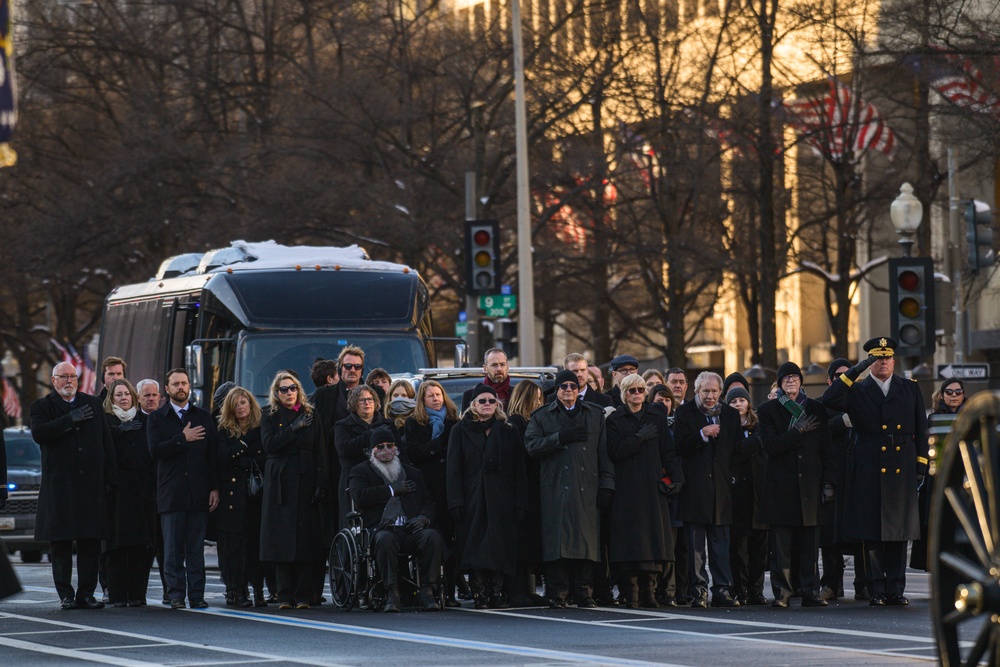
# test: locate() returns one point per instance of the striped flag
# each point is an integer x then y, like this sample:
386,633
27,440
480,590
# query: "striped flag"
11,401
840,121
8,89
963,84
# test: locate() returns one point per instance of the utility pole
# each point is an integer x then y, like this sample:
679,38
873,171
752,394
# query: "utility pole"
955,255
526,274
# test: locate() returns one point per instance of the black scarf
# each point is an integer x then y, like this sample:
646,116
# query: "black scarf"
491,453
708,412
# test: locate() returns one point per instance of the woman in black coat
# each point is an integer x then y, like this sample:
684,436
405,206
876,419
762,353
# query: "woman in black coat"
351,438
237,519
487,491
133,520
426,434
748,535
647,471
294,485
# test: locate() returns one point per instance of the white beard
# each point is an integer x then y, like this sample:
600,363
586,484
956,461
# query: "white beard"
390,472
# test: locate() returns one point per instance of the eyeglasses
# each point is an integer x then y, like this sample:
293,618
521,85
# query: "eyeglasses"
636,390
384,445
627,370
954,392
569,386
366,399
289,389
66,378
486,401
352,367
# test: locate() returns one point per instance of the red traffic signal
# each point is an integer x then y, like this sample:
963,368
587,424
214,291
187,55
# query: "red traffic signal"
911,305
482,257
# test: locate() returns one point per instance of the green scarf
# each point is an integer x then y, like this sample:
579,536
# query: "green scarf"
791,406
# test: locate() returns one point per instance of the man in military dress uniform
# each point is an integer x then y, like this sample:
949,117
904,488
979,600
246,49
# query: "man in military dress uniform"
889,465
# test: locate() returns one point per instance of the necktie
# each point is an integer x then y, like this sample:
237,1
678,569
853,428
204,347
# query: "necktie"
181,413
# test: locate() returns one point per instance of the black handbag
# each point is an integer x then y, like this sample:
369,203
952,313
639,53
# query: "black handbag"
255,481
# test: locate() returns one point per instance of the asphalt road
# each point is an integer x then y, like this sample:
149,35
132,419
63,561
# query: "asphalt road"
34,631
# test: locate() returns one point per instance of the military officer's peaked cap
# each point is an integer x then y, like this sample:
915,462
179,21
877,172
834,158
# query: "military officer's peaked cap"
881,347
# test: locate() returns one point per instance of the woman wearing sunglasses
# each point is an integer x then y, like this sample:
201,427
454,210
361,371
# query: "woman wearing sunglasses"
294,485
351,438
487,491
647,471
426,436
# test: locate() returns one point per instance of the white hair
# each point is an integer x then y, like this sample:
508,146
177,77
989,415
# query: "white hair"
143,383
704,377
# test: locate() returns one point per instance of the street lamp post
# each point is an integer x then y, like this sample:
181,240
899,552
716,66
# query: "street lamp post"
906,213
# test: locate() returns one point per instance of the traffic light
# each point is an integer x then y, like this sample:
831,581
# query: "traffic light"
979,234
482,257
911,305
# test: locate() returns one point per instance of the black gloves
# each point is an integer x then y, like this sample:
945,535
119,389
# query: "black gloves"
404,487
647,432
133,425
605,497
920,481
82,414
417,523
318,495
828,493
857,369
572,434
302,421
456,514
806,424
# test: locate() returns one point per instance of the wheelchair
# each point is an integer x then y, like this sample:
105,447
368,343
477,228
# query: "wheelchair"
354,579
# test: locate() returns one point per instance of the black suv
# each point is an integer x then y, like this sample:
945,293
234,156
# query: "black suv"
456,381
24,477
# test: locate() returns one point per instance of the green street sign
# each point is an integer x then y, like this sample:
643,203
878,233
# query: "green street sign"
496,312
461,329
508,301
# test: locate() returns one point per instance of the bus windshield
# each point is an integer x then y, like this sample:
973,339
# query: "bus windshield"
261,356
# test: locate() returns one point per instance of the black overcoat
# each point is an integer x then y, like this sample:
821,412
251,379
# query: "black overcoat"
133,516
293,471
798,464
430,456
529,528
235,455
708,478
371,492
889,452
486,480
749,461
186,472
842,445
78,462
351,439
640,513
330,405
571,476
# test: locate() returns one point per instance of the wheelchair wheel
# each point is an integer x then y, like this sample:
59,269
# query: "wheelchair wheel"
965,538
344,570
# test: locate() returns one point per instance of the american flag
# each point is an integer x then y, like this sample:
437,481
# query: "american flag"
962,83
8,89
637,153
11,401
840,120
84,366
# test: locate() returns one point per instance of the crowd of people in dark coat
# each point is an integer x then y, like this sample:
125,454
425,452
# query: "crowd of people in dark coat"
673,499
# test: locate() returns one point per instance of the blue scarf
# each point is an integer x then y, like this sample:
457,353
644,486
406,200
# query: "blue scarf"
437,420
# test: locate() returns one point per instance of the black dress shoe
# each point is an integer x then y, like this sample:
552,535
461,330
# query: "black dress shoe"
877,601
89,603
199,604
137,603
586,603
897,601
177,604
699,603
780,603
757,600
242,602
452,603
557,603
725,600
427,600
814,602
230,598
69,603
165,600
668,601
391,602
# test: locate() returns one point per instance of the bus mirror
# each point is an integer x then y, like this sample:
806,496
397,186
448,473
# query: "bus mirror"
461,355
196,397
194,360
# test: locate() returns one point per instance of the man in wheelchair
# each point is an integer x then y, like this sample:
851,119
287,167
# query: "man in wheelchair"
397,507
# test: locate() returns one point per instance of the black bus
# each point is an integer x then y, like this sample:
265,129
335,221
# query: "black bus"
246,312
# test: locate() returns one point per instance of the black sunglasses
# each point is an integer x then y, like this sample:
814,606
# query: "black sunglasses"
352,367
289,389
385,445
569,386
636,390
954,392
486,401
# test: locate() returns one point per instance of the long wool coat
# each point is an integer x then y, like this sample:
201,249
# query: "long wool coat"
78,462
889,453
798,464
235,455
707,494
570,478
351,440
486,479
133,517
640,513
294,470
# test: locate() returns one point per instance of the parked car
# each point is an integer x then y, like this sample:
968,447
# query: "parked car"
456,381
24,477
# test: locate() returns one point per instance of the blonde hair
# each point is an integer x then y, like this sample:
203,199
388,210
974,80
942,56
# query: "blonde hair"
499,413
405,384
525,399
420,412
629,381
275,403
227,415
109,399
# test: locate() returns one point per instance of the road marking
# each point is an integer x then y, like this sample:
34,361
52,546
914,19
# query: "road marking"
162,641
37,632
436,640
736,637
